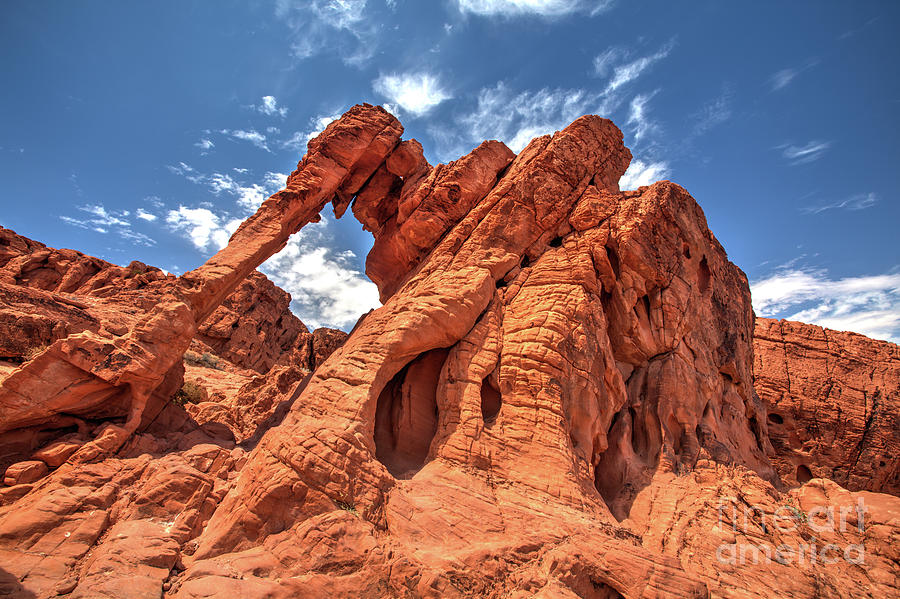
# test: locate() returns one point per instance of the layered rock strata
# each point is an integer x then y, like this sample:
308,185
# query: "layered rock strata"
833,403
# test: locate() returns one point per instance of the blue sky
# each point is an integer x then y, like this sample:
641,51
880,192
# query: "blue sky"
149,130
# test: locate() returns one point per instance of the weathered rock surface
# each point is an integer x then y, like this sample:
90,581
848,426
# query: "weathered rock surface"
253,328
833,403
556,400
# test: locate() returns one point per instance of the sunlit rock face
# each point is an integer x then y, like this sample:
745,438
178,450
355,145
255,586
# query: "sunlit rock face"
833,403
556,399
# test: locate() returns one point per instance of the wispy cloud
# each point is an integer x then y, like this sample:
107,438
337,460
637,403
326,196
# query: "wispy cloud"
713,113
253,136
857,202
642,173
326,287
205,145
343,27
806,153
248,195
784,77
144,215
316,125
414,93
204,228
868,304
99,219
543,8
623,74
516,118
638,118
268,105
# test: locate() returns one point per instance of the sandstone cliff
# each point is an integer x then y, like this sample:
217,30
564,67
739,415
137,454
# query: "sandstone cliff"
556,399
833,402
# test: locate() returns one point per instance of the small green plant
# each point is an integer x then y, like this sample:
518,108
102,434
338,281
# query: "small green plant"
347,507
32,352
190,392
206,359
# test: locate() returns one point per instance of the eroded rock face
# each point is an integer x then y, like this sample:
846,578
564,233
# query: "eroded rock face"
555,400
129,358
833,402
253,328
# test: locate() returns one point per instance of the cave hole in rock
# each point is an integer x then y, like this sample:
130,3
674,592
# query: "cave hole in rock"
406,415
491,401
620,472
526,262
613,260
556,242
775,418
686,250
804,474
704,275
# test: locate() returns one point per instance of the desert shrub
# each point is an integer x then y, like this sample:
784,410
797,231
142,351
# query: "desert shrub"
33,351
347,507
206,359
190,392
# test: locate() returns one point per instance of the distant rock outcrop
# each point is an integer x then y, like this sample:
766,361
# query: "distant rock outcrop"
833,402
555,400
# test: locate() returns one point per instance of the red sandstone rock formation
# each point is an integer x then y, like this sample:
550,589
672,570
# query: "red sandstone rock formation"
555,400
833,403
253,328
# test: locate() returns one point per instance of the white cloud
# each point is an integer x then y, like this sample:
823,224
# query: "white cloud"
858,202
642,173
630,71
326,287
637,116
205,229
805,153
144,215
317,124
713,113
516,118
782,78
269,106
101,220
205,145
343,27
253,136
249,196
544,8
868,304
415,93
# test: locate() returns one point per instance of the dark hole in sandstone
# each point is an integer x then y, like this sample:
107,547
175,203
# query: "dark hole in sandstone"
804,474
501,284
776,418
621,471
556,242
491,402
406,415
526,262
613,260
686,250
704,275
757,431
